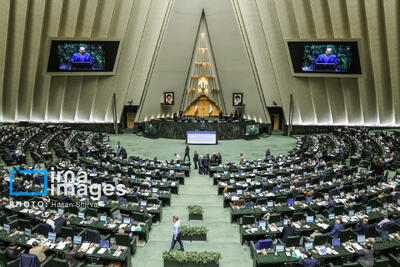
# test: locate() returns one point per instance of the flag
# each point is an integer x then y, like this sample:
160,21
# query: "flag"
210,109
196,109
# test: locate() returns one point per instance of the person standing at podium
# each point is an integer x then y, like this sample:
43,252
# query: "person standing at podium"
327,57
81,57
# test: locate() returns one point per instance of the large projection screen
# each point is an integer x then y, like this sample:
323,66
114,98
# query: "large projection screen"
324,57
201,137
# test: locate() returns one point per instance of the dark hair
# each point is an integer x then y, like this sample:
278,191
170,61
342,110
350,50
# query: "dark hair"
309,253
35,244
175,217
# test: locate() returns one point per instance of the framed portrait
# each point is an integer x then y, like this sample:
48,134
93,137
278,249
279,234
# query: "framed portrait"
169,98
237,99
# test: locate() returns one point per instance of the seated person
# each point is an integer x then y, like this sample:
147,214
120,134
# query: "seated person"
331,204
13,252
366,255
122,231
336,229
308,261
287,231
363,228
72,256
38,250
50,221
315,233
383,221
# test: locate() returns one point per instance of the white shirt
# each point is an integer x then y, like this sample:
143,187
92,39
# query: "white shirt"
177,157
51,223
177,228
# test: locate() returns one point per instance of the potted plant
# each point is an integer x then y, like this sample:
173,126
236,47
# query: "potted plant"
177,258
195,212
197,233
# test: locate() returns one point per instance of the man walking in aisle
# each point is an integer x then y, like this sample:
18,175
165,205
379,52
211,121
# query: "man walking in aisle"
187,151
176,230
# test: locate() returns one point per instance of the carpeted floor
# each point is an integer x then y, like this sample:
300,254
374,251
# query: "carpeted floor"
198,189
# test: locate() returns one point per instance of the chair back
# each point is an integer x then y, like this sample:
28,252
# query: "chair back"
122,239
67,232
321,239
370,231
293,241
261,201
274,218
298,216
29,260
93,236
346,234
91,212
44,229
59,262
264,244
248,219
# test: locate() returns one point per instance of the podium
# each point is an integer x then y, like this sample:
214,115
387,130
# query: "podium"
81,66
327,67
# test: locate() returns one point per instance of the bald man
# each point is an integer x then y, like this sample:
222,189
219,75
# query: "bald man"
327,58
82,56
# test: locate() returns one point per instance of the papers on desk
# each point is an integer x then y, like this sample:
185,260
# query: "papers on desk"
101,251
90,251
117,253
85,245
296,225
61,245
357,246
122,225
323,225
30,241
25,211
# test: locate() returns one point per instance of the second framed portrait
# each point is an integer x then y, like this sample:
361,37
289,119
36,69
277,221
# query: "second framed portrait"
237,99
169,98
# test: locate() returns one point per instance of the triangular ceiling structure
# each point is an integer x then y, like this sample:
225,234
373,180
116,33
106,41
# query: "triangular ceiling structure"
228,54
202,79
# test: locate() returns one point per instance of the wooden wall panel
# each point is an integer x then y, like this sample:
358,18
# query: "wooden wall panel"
14,59
83,28
391,9
27,92
33,36
4,26
50,28
379,59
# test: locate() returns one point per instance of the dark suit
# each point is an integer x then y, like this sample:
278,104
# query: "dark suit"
287,231
12,254
59,222
204,163
308,262
187,151
195,159
365,229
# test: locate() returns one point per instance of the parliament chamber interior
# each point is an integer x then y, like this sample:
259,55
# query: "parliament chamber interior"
183,133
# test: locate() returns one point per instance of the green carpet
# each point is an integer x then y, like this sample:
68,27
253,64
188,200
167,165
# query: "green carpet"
198,189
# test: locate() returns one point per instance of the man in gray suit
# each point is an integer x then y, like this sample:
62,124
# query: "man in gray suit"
366,255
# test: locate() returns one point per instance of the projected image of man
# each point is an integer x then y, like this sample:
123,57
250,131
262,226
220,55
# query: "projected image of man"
82,60
326,61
